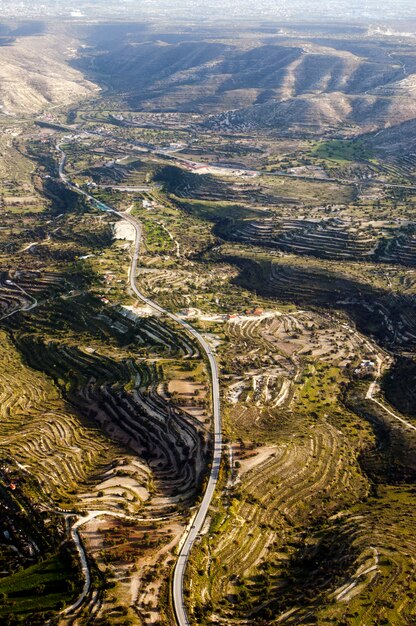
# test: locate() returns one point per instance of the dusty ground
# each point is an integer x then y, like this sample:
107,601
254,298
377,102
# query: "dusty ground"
253,458
124,230
189,396
138,553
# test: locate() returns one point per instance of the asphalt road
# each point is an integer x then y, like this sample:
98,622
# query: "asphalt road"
192,532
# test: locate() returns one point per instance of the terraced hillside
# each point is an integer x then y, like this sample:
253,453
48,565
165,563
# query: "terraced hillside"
331,238
101,432
287,340
329,111
96,409
67,451
93,382
389,316
311,525
206,187
396,144
228,195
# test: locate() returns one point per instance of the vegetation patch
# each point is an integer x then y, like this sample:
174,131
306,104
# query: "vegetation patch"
342,150
46,586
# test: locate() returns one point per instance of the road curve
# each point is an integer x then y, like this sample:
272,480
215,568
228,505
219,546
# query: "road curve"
372,390
84,566
193,532
23,308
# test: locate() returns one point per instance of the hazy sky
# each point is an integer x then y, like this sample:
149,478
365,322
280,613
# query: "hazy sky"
370,11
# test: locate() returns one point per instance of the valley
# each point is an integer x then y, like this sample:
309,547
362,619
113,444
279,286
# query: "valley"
207,321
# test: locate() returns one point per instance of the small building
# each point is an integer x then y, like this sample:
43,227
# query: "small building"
365,369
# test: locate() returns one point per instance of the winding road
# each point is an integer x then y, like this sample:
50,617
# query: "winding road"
193,531
28,307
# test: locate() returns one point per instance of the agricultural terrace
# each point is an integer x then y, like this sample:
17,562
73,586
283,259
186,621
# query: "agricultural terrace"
294,480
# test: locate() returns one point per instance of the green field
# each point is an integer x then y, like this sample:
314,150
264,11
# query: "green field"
341,151
41,587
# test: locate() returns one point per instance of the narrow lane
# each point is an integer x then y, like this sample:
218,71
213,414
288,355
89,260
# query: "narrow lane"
27,307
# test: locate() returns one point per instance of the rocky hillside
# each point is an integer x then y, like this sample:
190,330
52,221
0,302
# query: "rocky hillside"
275,82
321,112
35,74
